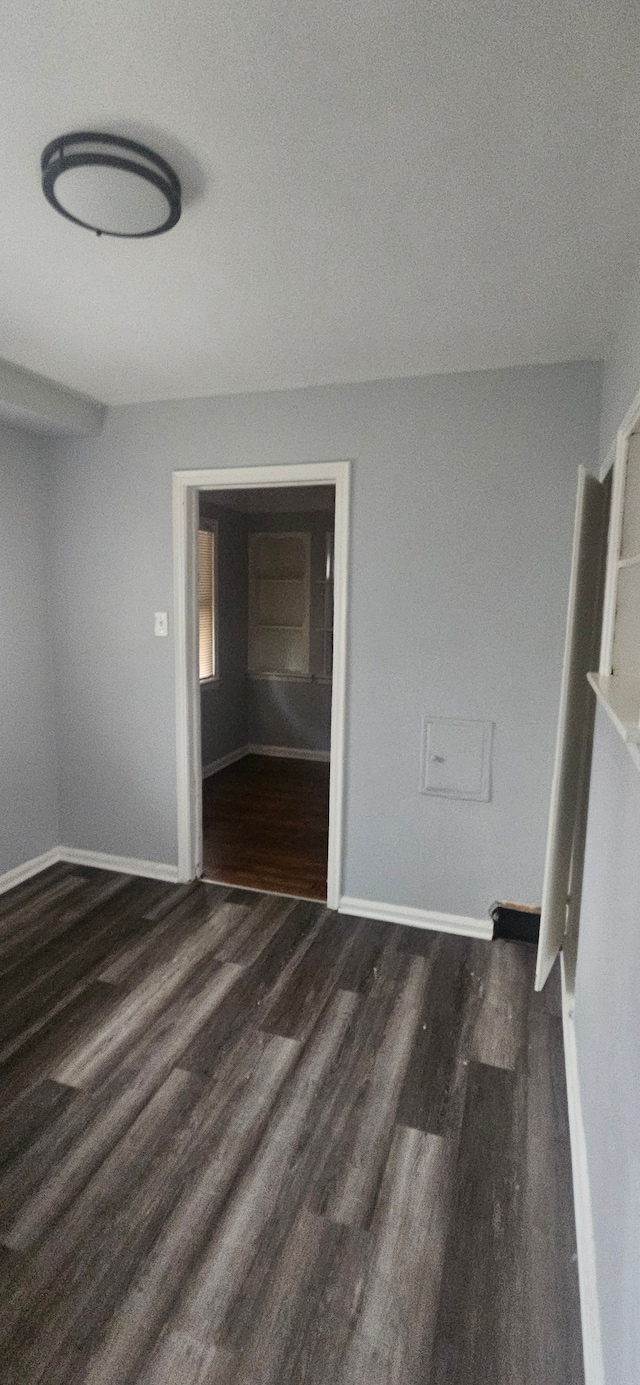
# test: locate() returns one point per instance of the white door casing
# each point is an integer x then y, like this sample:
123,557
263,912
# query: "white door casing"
186,485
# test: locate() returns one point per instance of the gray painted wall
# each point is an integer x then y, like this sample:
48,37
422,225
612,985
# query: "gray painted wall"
223,703
607,1003
462,516
28,800
289,712
607,1020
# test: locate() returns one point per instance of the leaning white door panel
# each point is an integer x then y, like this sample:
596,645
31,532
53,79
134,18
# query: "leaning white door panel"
580,655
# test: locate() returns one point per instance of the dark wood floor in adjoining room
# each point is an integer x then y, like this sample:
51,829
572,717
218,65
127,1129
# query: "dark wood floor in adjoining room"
247,1141
266,825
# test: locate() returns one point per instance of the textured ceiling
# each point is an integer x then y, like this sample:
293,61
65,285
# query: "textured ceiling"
372,188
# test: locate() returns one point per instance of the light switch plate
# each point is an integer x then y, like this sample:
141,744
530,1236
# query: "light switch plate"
455,758
160,623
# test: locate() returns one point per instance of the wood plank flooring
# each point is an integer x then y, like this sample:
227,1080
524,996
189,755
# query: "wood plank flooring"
244,1141
266,825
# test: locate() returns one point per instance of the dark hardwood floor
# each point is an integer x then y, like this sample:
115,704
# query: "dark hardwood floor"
245,1141
266,825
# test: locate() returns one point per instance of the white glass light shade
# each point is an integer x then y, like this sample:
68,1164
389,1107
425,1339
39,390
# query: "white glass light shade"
112,200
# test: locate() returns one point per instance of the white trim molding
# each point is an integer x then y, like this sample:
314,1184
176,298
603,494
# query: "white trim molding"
285,752
186,486
215,766
585,1243
417,918
617,458
124,865
19,874
102,860
614,539
278,752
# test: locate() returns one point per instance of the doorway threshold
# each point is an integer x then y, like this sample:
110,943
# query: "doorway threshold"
253,889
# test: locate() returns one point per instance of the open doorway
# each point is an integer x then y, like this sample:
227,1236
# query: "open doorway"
265,658
260,569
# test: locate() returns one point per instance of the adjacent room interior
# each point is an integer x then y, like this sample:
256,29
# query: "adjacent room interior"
265,608
320,693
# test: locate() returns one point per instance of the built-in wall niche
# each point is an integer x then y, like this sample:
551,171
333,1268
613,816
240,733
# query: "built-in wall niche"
625,659
279,603
618,682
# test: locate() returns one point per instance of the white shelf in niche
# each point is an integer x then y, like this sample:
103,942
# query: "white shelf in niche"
619,695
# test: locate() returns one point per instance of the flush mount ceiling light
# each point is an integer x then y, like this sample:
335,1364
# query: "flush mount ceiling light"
113,186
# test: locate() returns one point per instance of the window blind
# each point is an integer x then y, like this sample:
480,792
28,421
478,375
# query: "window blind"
206,577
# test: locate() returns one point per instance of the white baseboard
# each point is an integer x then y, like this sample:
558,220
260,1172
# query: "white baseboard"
125,865
585,1243
417,918
283,752
216,765
280,752
14,877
